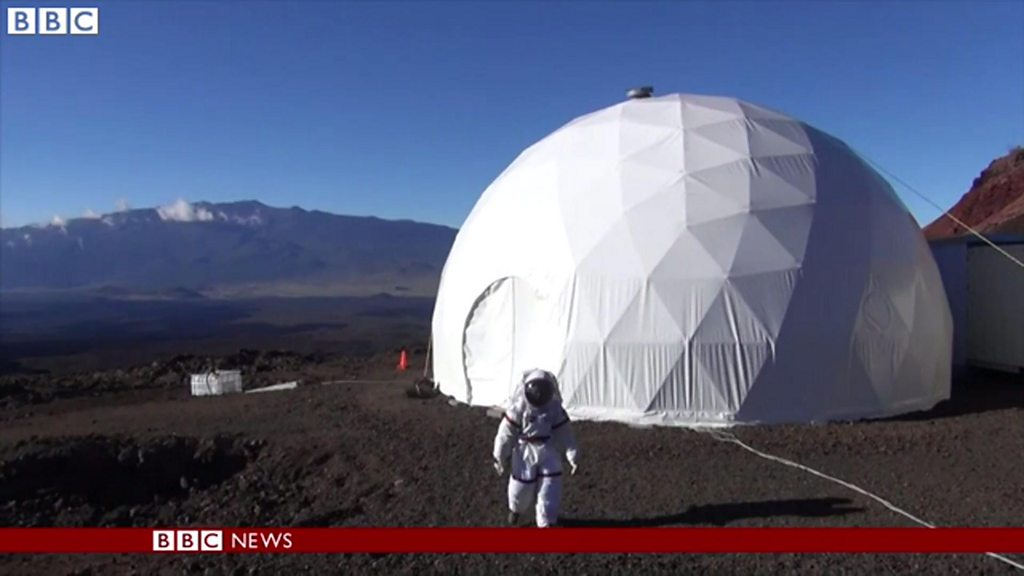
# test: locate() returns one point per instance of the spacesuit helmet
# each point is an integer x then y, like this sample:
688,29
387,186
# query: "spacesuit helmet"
539,388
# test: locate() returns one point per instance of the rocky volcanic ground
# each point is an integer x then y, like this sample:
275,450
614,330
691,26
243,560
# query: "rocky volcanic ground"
131,448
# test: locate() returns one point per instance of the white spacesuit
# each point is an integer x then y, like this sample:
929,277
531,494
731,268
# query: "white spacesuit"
533,434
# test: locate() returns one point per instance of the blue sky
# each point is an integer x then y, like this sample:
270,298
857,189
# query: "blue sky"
409,110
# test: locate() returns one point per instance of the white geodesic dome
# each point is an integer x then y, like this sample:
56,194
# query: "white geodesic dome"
694,260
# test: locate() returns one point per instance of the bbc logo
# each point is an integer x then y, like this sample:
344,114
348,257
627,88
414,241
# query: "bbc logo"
53,21
188,540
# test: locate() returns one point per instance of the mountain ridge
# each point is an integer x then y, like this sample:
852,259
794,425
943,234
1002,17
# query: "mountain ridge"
993,205
224,249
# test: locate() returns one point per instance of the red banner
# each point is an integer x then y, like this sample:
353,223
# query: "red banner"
511,540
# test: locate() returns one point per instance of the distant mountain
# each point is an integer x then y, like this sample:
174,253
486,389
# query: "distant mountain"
234,249
994,204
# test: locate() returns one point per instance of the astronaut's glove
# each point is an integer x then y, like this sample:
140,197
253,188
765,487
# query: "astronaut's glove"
499,468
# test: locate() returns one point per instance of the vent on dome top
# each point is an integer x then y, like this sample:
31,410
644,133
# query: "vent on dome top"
641,92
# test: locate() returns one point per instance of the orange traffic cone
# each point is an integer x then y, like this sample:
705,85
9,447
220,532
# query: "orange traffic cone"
403,361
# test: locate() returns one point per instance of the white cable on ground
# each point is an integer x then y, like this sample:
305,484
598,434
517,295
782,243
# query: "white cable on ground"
945,212
722,436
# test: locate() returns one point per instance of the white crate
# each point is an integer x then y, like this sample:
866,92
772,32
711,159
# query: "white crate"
217,383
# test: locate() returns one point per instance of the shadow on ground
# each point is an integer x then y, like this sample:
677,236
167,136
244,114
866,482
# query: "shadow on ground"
976,391
722,514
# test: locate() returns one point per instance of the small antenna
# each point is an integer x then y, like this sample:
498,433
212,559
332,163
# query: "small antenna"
641,92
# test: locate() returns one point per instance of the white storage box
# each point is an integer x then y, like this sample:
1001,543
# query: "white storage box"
217,383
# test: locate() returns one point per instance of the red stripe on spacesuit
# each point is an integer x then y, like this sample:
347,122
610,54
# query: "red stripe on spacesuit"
548,474
521,481
511,421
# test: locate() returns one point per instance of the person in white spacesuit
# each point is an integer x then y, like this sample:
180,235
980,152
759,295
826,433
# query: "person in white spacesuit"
534,433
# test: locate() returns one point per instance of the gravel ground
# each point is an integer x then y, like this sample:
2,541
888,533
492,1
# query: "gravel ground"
367,455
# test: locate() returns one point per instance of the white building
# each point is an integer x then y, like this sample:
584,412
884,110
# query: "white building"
986,296
217,383
694,260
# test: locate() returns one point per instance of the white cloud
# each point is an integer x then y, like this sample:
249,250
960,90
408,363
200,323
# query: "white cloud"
122,205
90,215
182,211
58,222
28,239
251,220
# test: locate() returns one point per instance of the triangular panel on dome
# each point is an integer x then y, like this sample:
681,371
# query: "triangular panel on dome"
599,382
687,300
732,344
581,374
760,250
631,365
600,200
767,296
646,181
770,138
584,324
656,223
662,144
720,375
702,153
662,149
789,228
722,239
733,135
613,255
703,110
703,204
798,171
761,113
687,258
770,190
718,192
600,303
673,392
646,320
730,321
